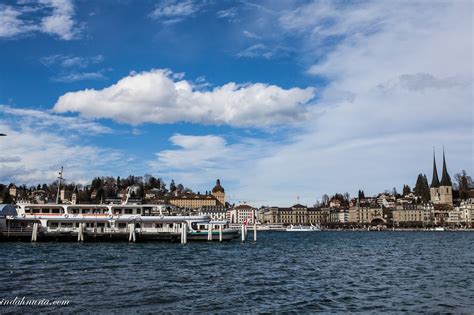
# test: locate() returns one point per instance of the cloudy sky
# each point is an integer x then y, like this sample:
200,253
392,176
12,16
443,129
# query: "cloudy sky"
278,99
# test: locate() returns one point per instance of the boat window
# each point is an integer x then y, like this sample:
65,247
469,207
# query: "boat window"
45,210
55,211
128,211
202,227
170,225
138,211
36,210
53,225
100,224
85,211
122,225
27,210
74,211
158,225
117,211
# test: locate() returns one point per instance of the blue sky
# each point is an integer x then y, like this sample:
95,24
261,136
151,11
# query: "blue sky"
277,99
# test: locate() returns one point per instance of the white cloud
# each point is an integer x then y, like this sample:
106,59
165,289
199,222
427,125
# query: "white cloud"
79,76
54,17
229,14
41,120
71,61
155,97
250,34
60,22
34,157
175,11
10,22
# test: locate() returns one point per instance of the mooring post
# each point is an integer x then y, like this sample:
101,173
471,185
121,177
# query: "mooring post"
254,226
184,233
243,233
132,236
209,232
220,232
80,234
34,233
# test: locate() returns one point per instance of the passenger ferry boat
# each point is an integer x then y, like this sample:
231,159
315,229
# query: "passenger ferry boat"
88,222
301,228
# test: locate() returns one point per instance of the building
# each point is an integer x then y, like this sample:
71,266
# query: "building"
219,193
441,192
365,214
193,201
216,213
242,213
410,215
296,215
467,209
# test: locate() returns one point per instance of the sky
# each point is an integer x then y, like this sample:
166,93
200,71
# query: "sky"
283,101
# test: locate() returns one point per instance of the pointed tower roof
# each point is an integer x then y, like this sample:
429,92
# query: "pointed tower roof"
218,187
445,178
435,180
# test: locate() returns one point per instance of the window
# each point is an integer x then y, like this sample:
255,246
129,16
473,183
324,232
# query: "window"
158,225
128,211
122,225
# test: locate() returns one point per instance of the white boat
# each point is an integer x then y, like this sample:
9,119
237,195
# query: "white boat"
302,228
108,222
438,229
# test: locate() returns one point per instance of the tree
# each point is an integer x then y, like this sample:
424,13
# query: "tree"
463,183
325,200
406,190
426,195
172,186
422,188
418,186
7,198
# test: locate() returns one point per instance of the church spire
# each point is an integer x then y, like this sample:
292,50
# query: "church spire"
435,180
445,179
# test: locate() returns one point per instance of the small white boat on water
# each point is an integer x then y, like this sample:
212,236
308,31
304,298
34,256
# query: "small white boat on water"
302,228
438,229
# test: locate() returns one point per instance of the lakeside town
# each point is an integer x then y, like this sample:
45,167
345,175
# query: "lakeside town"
443,203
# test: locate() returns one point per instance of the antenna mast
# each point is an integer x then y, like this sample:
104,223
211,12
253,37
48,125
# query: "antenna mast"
59,184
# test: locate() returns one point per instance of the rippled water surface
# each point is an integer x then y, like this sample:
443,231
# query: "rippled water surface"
325,271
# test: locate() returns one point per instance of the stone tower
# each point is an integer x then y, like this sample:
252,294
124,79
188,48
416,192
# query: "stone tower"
445,186
219,192
441,192
434,188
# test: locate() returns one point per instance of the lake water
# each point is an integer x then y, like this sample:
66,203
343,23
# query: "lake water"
282,272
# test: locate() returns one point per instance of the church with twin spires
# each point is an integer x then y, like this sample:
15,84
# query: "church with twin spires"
441,191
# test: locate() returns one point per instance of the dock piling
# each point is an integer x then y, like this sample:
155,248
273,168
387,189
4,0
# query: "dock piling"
243,233
80,234
34,233
254,226
209,232
132,237
220,232
184,233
